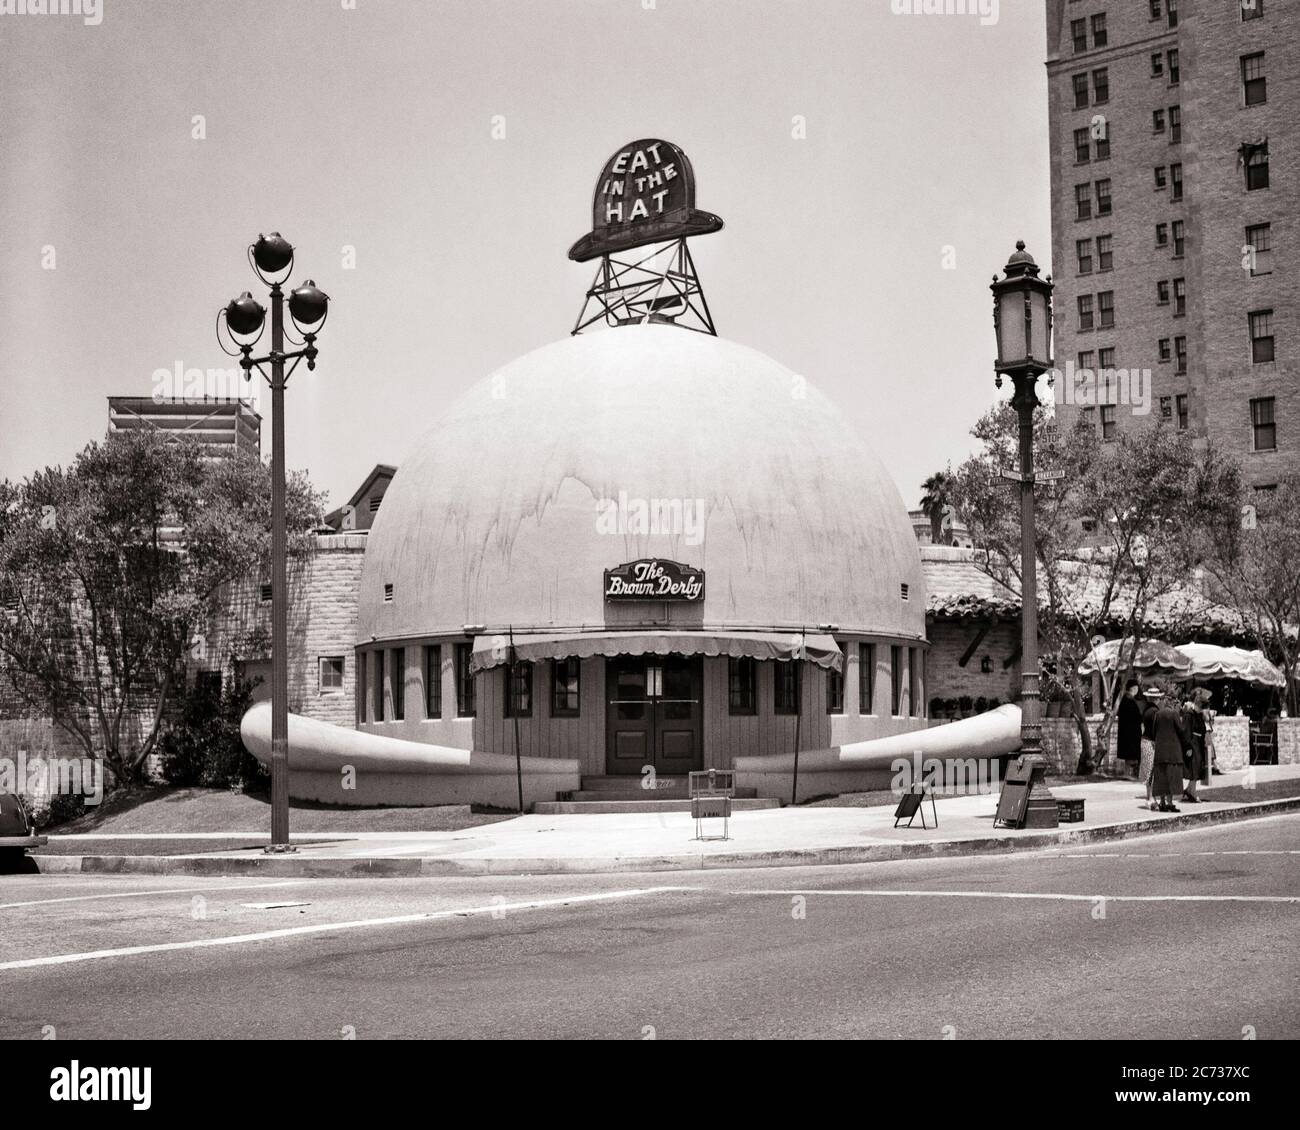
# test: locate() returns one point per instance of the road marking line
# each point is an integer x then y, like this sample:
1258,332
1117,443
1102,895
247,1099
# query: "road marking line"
168,891
326,928
1048,896
1178,854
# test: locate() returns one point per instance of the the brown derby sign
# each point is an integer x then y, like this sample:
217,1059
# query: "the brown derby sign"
652,579
646,194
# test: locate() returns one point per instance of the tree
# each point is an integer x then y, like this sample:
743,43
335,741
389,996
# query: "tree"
108,568
935,500
1255,563
1111,538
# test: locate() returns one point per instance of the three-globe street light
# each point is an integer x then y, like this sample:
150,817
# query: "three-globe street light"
272,259
1022,318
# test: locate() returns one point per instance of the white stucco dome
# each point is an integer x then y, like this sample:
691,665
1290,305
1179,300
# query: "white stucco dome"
496,518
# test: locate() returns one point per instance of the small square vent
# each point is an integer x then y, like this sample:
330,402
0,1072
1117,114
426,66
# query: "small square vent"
266,594
388,594
903,592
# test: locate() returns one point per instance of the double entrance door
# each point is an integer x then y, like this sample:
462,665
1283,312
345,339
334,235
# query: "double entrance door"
654,714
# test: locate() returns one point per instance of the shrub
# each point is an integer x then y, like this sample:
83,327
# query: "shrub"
202,745
59,809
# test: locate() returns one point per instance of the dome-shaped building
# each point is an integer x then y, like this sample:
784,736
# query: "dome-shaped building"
653,524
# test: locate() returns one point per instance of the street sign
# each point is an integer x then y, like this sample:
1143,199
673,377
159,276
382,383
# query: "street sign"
1037,477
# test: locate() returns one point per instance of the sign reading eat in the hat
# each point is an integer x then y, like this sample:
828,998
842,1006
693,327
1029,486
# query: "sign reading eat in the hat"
645,194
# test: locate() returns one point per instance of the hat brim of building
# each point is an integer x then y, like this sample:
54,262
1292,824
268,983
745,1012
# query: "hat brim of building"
626,237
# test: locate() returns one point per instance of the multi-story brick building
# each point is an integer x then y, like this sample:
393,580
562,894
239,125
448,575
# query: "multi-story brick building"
1176,218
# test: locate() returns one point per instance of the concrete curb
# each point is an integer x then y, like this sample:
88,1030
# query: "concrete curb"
289,866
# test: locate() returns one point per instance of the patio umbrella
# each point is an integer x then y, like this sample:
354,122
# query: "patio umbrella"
1209,661
1153,657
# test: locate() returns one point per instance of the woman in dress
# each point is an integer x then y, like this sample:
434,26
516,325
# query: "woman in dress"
1146,764
1170,737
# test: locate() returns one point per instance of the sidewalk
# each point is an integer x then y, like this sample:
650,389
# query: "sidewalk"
664,841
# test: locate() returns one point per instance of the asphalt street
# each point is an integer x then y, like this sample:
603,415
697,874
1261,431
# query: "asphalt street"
1181,936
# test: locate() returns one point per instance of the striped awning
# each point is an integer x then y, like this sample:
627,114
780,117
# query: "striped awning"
493,650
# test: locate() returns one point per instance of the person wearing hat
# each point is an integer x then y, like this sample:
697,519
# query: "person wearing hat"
1169,735
1128,736
1194,762
1147,749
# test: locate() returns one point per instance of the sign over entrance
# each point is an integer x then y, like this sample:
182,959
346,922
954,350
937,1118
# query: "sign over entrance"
652,579
645,194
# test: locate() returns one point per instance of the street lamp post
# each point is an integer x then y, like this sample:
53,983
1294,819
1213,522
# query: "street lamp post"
272,259
1022,317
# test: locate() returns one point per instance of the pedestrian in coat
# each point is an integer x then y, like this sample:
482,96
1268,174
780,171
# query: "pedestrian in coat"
1150,697
1194,762
1128,736
1169,736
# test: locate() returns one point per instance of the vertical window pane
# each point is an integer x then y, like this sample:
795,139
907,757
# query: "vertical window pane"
464,681
866,678
433,681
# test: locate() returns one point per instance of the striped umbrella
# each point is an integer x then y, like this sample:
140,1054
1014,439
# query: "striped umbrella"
1153,657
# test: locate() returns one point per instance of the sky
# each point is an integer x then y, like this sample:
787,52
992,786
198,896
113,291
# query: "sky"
433,160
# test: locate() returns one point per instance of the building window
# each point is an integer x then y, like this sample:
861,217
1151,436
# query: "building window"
1166,407
1180,351
1106,358
566,679
1107,421
1171,8
1083,201
1080,91
1180,403
1158,121
1171,64
1161,178
866,678
207,684
1083,248
362,700
914,691
742,685
464,681
1251,9
397,675
1085,311
1176,180
1175,124
1162,235
896,679
1079,33
1166,349
1085,359
1254,85
1155,9
1180,297
1263,424
330,675
1261,336
1255,158
1162,292
433,681
518,699
1103,144
835,690
1103,197
1099,37
1180,242
785,686
1105,254
1106,308
1090,417
1157,64
1081,146
1259,249
1100,86
379,685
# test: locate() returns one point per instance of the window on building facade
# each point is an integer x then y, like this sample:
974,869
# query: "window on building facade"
330,676
1108,421
1079,33
379,685
1180,297
1106,309
1157,121
397,677
1171,8
1162,177
1251,9
1157,64
1176,181
1162,292
1106,358
1103,197
464,681
566,687
1085,311
835,691
518,699
1261,336
433,681
1085,359
1259,248
362,701
1099,37
1180,241
1089,416
866,678
1105,253
896,679
1171,65
1180,403
1175,124
1166,407
914,690
1154,5
1083,201
1166,349
1253,83
785,687
1255,158
1263,424
1083,248
742,685
1100,86
1103,144
1180,351
1080,91
1162,235
1081,150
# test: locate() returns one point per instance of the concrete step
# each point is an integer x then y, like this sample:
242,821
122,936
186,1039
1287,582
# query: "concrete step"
636,793
593,807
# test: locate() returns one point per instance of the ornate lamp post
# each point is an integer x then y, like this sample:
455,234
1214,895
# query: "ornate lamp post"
245,318
1022,317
